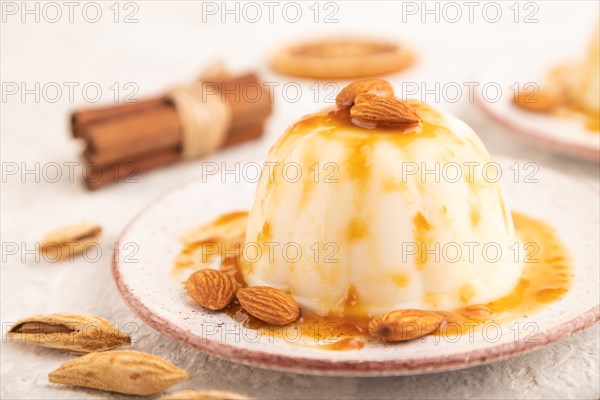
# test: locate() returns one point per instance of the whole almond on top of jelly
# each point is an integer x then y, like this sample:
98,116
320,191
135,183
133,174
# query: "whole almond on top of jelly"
211,289
386,112
268,304
379,87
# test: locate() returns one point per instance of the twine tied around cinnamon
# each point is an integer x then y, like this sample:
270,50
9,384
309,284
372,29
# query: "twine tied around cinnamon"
205,116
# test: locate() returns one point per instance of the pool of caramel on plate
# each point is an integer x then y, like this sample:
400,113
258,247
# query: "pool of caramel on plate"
546,278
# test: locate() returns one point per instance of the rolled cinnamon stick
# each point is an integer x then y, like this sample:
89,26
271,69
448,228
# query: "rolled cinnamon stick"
149,133
129,135
84,117
117,133
98,175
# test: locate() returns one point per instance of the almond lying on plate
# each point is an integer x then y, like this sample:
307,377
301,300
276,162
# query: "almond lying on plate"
537,100
211,289
401,325
269,304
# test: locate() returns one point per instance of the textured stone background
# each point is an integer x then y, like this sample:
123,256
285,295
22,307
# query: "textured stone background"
169,44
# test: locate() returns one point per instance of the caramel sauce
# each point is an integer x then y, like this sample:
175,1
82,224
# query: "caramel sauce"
402,280
590,119
339,334
345,344
593,122
207,244
546,278
338,125
266,232
229,217
229,265
422,228
358,229
239,315
547,274
466,293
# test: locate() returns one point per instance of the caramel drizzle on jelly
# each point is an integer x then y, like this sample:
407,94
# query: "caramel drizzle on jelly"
546,278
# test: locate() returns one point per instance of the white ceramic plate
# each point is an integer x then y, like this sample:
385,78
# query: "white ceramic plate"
148,245
564,135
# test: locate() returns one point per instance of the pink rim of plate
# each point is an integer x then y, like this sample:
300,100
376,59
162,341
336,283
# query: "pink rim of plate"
561,146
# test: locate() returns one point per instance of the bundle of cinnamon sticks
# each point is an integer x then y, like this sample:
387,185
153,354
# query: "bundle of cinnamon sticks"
126,139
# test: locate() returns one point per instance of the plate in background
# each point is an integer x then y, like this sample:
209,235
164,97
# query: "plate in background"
564,135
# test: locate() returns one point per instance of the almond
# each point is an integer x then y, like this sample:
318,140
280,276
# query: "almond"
536,100
69,241
370,110
378,87
120,371
77,334
211,289
402,325
203,395
269,304
477,312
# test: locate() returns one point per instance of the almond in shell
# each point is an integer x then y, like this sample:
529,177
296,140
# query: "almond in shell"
203,395
69,240
120,371
78,334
